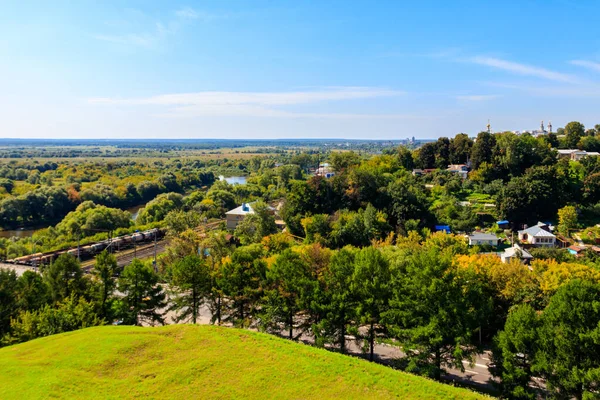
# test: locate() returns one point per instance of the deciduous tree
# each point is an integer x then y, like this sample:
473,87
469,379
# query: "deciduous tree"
567,219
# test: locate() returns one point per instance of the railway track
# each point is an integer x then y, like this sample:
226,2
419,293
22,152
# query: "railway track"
125,257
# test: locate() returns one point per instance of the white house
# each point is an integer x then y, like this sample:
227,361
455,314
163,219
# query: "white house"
538,236
482,238
461,169
575,154
325,170
237,215
515,252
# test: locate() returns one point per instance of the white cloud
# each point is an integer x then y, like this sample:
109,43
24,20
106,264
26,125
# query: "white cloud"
135,39
478,97
257,104
187,12
524,69
157,32
260,98
447,53
590,90
594,66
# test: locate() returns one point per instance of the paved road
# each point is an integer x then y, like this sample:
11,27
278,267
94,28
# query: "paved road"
476,374
19,269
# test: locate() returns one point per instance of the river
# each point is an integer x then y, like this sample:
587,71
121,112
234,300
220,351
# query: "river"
234,180
28,232
21,232
134,211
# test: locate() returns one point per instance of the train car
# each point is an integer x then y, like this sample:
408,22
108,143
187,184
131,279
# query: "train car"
29,259
127,239
118,242
16,260
85,251
36,259
159,232
23,259
73,252
60,253
137,237
47,259
98,247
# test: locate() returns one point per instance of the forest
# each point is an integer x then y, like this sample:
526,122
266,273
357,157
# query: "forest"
360,257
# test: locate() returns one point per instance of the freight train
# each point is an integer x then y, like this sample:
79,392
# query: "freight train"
90,250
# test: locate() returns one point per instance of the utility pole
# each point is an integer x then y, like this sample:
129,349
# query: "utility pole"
78,250
33,252
155,267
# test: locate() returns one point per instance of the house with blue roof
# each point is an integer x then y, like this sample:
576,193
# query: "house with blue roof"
442,228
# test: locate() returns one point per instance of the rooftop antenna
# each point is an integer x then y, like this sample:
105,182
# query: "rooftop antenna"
489,127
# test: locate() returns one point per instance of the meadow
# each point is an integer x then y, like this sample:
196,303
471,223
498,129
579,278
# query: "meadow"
185,361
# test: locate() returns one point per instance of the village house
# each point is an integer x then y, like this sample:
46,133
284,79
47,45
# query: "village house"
516,252
237,215
461,169
575,154
325,170
539,235
419,172
482,238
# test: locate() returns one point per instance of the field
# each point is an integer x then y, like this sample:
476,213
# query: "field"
185,361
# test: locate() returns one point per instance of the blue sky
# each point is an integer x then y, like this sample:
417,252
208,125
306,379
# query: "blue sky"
271,69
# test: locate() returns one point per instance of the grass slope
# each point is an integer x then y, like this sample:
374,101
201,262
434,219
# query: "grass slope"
186,361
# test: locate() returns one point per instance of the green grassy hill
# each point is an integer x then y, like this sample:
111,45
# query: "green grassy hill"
185,361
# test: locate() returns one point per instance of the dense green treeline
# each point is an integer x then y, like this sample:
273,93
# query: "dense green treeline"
429,295
59,191
35,194
521,177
